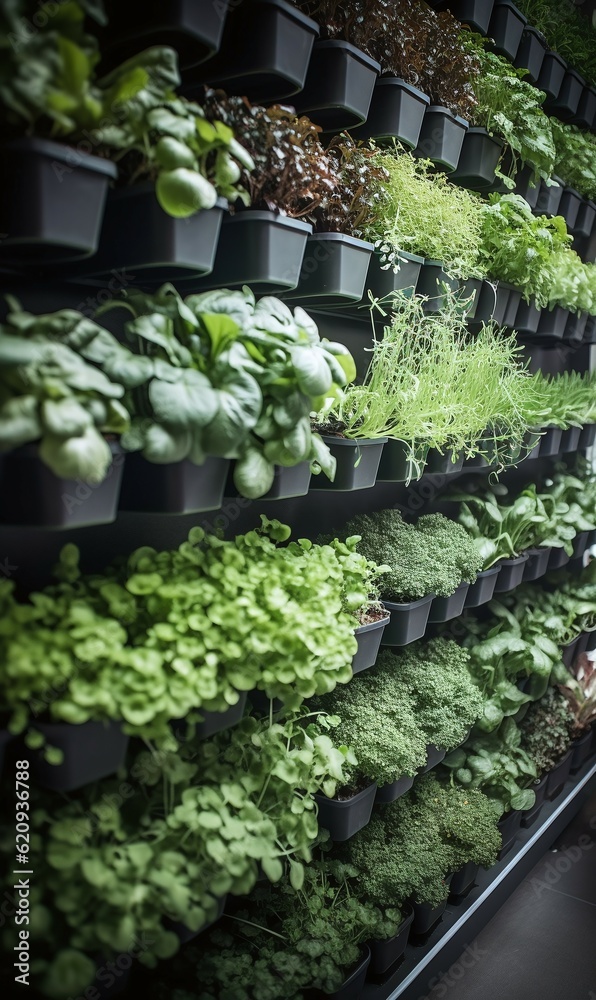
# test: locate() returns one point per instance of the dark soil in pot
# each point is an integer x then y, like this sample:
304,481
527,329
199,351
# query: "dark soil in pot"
478,160
176,488
511,573
397,464
536,565
551,75
52,201
344,817
408,621
566,103
92,750
339,86
441,137
559,775
444,609
385,954
506,28
531,53
396,112
369,638
334,270
394,790
386,281
357,464
483,588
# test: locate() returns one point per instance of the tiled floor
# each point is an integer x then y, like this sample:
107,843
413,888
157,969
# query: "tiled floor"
541,945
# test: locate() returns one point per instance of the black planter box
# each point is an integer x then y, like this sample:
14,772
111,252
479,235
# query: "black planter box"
569,652
509,826
575,327
531,53
483,588
176,488
396,112
487,303
476,13
345,818
527,187
397,465
92,750
434,756
408,621
582,751
352,988
586,109
426,916
384,954
566,103
539,787
445,464
441,137
559,775
550,442
290,481
570,205
590,331
385,281
580,544
551,74
536,565
33,496
587,436
486,455
512,573
506,28
586,217
192,27
259,249
478,159
213,722
265,51
52,201
504,293
570,439
558,559
552,323
527,318
432,277
339,86
334,270
469,294
357,464
394,790
138,234
463,880
513,304
369,639
443,609
549,198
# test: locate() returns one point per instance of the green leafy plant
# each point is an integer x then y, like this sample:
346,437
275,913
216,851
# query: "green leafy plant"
432,556
567,31
547,730
360,193
497,764
574,162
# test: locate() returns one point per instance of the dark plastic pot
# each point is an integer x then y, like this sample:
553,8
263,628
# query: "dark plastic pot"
344,818
580,544
513,303
485,457
539,787
531,53
213,722
575,327
369,639
339,86
259,249
176,488
508,827
558,559
384,954
476,13
566,103
512,573
549,198
92,750
357,464
506,28
504,293
334,270
586,108
590,331
570,439
396,464
527,318
485,304
292,481
393,791
569,652
184,933
559,775
586,217
536,565
441,136
352,988
426,916
526,186
443,609
478,159
570,205
52,201
383,282
443,464
582,751
265,51
550,442
552,323
139,235
408,621
587,437
483,588
432,277
396,112
469,293
32,495
434,756
192,27
463,880
552,74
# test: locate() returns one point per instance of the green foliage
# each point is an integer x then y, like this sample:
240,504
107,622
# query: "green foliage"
432,556
567,30
547,730
575,161
567,400
409,848
497,764
391,712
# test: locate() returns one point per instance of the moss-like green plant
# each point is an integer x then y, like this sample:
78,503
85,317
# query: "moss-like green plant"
547,730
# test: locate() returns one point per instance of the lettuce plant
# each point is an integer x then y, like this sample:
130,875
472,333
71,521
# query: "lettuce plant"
575,163
497,764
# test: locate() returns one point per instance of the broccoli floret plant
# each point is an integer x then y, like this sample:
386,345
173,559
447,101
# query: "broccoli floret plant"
408,849
547,730
432,556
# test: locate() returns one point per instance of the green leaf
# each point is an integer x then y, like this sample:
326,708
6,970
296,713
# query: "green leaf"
189,402
253,474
